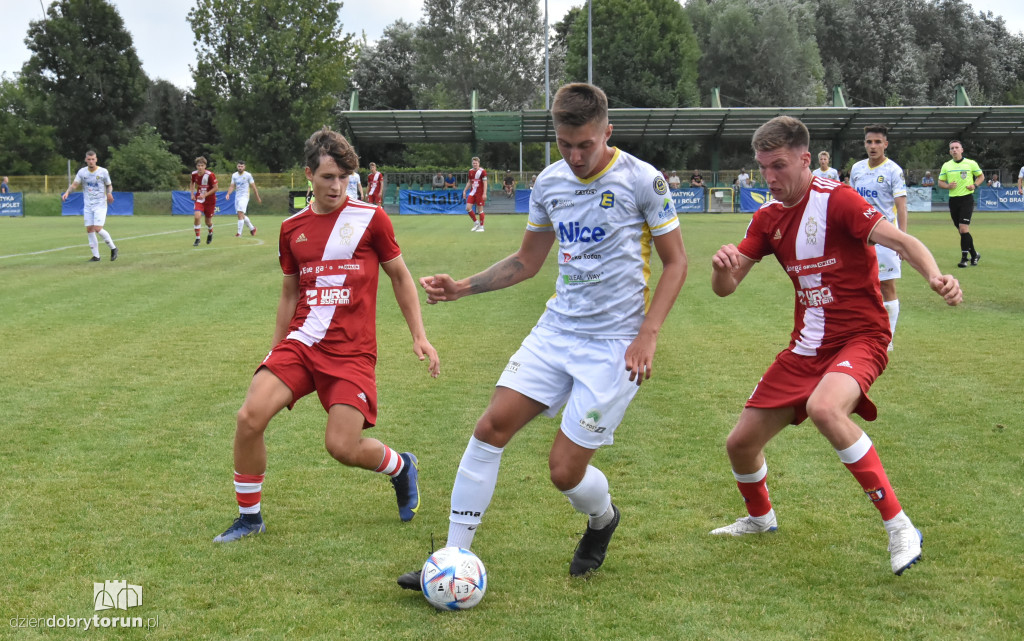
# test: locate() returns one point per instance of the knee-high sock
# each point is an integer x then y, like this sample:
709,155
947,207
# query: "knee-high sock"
591,496
754,490
106,238
892,307
863,462
473,490
93,243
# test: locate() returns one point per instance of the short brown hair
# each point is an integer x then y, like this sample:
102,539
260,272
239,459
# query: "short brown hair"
779,132
578,103
877,129
201,159
327,142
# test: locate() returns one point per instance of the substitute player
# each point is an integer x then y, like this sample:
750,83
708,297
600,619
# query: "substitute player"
823,170
475,193
97,193
204,195
374,186
331,254
821,232
880,182
241,180
595,343
960,176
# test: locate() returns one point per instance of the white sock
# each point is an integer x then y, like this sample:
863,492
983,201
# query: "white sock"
248,223
240,223
93,244
197,228
892,307
473,490
106,238
897,522
591,497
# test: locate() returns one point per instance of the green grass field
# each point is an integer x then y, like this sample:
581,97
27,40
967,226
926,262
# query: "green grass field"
119,383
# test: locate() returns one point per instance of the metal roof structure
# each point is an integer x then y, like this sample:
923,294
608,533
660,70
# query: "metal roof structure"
686,125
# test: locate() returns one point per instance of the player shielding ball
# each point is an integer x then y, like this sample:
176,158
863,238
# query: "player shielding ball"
241,180
98,192
204,195
822,233
325,339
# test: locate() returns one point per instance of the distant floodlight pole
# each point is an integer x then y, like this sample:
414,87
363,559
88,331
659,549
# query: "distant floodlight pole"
590,42
547,80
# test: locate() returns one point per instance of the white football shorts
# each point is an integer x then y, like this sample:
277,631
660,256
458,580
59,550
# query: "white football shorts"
588,376
888,263
241,204
95,214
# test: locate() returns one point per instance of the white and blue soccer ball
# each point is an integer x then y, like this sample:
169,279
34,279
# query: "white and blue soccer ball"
453,579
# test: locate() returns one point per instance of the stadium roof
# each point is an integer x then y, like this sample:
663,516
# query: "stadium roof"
686,125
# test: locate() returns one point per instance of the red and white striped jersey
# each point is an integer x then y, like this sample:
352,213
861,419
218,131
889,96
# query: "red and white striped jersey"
476,181
374,183
822,243
204,184
337,257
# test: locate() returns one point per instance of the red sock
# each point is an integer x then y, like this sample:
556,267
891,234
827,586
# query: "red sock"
472,215
754,489
481,216
392,463
871,475
248,491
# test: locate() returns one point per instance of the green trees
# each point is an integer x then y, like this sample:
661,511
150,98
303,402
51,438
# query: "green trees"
272,70
84,76
144,163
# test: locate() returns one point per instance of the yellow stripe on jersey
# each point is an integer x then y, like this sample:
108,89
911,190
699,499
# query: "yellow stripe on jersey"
604,171
666,223
645,252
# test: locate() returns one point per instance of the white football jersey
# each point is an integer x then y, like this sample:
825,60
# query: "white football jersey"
831,174
94,184
880,185
353,185
604,227
241,181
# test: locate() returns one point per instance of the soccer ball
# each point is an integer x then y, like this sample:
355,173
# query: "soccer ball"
453,579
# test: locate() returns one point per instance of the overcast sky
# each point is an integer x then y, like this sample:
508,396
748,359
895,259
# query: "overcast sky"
163,38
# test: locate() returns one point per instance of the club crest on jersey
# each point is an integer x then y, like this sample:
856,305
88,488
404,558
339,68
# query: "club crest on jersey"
660,187
778,235
881,179
811,230
607,200
345,233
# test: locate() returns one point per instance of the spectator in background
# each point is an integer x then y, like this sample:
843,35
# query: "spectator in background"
5,187
438,182
994,181
533,180
673,180
449,181
743,179
696,180
509,184
927,181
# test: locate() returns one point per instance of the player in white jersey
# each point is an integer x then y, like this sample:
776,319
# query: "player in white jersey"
354,188
823,170
240,182
1020,181
97,192
595,343
880,181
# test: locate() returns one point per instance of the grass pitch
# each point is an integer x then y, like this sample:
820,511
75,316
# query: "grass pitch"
119,382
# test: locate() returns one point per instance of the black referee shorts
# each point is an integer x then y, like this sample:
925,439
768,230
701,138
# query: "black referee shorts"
961,208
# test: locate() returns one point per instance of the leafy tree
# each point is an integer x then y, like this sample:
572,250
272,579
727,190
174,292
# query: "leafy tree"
383,73
144,163
83,74
272,71
25,147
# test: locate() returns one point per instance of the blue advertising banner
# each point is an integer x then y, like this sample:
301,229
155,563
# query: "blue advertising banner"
919,198
12,204
1001,199
523,201
752,199
432,202
688,200
181,203
123,205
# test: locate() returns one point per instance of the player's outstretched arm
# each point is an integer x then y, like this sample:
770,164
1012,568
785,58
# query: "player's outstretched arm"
728,268
640,353
518,267
914,252
409,302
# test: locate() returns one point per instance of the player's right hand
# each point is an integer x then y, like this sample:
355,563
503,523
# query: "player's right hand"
440,287
727,257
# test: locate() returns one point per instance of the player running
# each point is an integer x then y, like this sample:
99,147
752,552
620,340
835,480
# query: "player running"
204,195
325,337
475,193
880,182
821,233
240,182
594,345
98,192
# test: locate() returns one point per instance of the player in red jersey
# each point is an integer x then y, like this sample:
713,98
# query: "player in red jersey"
204,194
331,254
822,233
475,193
374,186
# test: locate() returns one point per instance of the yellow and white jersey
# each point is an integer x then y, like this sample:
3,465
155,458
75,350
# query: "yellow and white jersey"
241,181
831,173
604,226
880,185
94,185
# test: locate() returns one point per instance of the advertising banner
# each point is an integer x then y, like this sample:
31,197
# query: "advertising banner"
433,202
999,199
919,198
123,205
688,200
181,203
12,204
751,199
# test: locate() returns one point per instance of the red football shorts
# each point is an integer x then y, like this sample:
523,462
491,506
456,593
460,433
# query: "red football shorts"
476,199
337,380
792,378
375,199
208,207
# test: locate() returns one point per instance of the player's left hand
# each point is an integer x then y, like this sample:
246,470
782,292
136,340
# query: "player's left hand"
640,357
947,287
424,350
